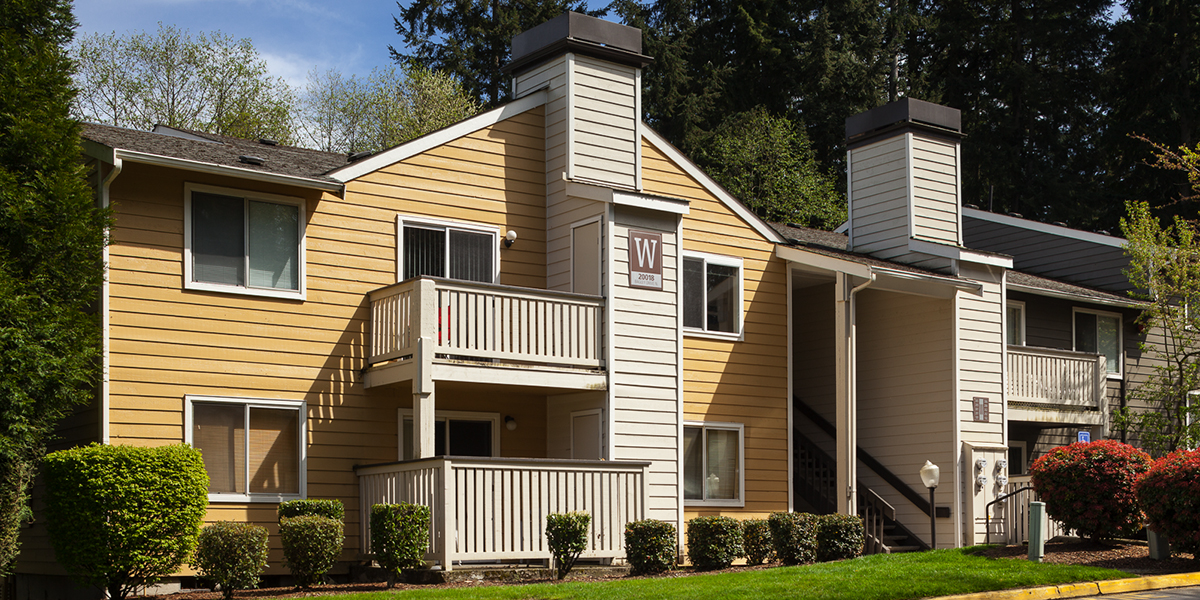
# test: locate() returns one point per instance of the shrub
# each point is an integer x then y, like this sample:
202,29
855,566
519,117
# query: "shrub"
311,546
795,537
568,536
1170,494
1089,487
122,517
650,546
756,541
399,537
231,555
713,542
839,537
334,509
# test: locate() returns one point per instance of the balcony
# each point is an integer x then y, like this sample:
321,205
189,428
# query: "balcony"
1056,386
476,332
494,509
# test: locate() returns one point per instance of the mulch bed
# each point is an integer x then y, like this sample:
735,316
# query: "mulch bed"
1132,557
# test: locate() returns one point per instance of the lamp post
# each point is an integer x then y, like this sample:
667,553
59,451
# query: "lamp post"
929,476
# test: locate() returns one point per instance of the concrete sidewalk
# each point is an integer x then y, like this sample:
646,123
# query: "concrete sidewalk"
1091,588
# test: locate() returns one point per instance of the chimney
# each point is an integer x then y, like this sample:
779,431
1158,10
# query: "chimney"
903,182
591,69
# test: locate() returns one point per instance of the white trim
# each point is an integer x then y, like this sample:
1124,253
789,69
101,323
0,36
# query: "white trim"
910,215
599,412
1120,372
958,207
301,408
679,377
214,169
822,261
723,261
599,251
704,426
439,137
711,186
637,128
1020,305
105,310
446,416
301,205
1076,297
848,226
959,253
669,205
569,68
1024,457
1066,232
446,225
791,442
608,282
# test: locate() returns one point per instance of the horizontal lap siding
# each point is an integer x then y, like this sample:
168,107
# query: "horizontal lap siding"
167,342
980,335
742,382
604,122
935,185
879,204
1054,256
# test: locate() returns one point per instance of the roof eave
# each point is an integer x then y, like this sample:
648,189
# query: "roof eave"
211,168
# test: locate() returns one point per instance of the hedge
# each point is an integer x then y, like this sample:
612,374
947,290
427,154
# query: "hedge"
231,555
567,535
1170,494
311,546
399,537
714,542
334,509
839,537
650,546
1089,487
795,537
756,541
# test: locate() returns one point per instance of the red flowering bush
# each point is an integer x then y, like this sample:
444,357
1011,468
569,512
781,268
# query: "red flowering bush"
1089,487
1170,495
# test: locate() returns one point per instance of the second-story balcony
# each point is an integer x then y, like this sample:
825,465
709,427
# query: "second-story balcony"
1056,386
453,330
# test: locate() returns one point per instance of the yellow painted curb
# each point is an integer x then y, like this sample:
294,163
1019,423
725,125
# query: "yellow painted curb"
1090,588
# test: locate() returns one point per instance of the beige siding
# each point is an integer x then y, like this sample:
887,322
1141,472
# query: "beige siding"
905,396
604,119
980,336
562,212
879,198
935,190
736,381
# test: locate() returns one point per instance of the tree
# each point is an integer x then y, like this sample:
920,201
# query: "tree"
392,106
209,83
470,39
51,238
767,162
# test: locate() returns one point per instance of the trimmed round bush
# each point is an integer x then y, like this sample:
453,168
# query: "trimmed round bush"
311,546
1170,494
795,537
399,537
713,542
756,541
231,555
567,535
650,546
122,517
334,509
839,537
1089,487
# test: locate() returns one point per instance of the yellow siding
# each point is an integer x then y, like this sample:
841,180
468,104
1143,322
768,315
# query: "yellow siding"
736,381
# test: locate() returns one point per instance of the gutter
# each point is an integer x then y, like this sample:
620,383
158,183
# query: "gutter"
203,167
1078,297
105,434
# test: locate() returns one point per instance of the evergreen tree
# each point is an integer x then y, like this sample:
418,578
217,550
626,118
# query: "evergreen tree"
51,238
471,39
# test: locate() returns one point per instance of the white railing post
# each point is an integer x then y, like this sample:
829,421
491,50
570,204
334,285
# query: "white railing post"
448,502
1100,377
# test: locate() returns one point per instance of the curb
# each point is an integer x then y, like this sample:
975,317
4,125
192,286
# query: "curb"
1090,588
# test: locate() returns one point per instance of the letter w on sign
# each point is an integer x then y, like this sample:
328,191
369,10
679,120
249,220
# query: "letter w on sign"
645,259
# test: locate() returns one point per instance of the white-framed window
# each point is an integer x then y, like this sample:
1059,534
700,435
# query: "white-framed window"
1017,455
1014,323
253,449
1100,333
714,464
712,295
243,242
465,251
456,433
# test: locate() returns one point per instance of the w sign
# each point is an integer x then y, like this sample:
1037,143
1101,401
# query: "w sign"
645,259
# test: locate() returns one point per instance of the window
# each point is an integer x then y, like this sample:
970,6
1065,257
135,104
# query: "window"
1016,458
245,242
1099,333
712,294
253,449
1014,326
712,464
455,251
455,434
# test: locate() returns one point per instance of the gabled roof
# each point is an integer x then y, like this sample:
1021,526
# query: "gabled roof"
833,245
198,151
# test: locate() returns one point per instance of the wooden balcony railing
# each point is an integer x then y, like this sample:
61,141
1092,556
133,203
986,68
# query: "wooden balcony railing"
478,321
495,508
1055,377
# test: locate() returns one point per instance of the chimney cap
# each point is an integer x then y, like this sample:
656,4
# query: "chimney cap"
576,32
905,112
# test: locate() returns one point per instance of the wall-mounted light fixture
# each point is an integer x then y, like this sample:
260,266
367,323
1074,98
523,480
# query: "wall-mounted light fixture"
509,238
510,423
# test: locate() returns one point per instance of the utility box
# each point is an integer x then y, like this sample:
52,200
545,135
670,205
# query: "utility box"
1160,546
1037,531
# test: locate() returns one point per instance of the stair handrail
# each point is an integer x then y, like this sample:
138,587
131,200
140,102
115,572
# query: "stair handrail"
987,510
883,472
875,510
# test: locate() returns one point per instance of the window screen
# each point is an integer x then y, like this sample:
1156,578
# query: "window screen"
218,239
269,452
246,243
449,252
711,295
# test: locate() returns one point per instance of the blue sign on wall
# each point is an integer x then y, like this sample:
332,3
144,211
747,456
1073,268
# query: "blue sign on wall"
1084,436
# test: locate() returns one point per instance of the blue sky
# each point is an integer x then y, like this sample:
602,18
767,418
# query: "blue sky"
293,36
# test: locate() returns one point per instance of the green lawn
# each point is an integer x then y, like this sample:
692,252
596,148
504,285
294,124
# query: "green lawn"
880,577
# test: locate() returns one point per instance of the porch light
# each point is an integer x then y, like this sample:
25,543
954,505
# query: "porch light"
510,423
509,238
929,476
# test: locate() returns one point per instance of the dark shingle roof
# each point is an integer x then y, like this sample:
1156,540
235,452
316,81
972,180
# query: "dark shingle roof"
220,150
833,244
1054,286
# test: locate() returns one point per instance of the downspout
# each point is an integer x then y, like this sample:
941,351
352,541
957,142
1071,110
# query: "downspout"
117,165
850,446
